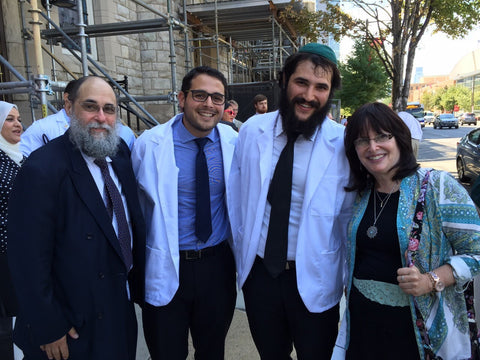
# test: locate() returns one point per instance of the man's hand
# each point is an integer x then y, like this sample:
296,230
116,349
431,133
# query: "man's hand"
58,349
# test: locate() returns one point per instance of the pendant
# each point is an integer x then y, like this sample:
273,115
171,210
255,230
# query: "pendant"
372,231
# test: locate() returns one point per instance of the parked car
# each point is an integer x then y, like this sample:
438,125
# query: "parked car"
468,118
445,120
477,114
468,156
429,117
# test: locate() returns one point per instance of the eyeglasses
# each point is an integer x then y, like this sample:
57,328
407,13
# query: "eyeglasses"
94,107
202,96
365,142
230,112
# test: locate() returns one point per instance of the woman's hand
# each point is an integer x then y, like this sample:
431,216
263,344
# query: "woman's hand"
413,282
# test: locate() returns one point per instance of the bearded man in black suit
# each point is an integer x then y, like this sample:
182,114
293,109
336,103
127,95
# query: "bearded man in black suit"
77,247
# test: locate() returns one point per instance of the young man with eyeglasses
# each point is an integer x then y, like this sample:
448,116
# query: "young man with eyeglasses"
292,212
78,260
181,168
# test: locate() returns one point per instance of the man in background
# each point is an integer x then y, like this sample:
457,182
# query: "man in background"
260,103
234,105
229,116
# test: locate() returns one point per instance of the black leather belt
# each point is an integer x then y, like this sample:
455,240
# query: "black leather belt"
202,253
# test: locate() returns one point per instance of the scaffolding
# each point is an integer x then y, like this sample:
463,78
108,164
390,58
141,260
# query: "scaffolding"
245,39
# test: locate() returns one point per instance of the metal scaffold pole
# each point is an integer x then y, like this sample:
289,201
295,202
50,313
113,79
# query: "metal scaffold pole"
81,33
188,64
216,37
28,69
41,79
173,58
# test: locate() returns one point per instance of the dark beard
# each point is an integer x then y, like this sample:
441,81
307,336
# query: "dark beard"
292,125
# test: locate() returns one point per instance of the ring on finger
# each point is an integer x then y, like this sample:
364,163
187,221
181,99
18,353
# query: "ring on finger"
401,278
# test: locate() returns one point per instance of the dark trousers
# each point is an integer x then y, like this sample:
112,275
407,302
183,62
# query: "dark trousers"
6,341
278,318
203,303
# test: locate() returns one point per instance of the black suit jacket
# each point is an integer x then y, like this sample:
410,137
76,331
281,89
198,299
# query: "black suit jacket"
65,258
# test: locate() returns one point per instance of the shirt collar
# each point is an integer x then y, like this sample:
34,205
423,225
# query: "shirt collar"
91,160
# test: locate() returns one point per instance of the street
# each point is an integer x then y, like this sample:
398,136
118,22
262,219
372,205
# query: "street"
439,147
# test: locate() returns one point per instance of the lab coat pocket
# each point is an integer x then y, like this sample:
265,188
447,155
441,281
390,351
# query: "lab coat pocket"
159,272
328,196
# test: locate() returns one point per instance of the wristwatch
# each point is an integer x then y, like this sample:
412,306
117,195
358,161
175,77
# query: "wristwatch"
438,285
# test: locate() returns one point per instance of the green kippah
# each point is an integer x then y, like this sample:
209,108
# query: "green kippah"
321,50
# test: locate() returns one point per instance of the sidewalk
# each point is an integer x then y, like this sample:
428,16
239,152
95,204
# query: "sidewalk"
239,344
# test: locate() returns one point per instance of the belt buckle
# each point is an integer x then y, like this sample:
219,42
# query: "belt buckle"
193,255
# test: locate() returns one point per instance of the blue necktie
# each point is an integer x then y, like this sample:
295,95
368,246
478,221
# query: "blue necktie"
203,216
279,196
115,206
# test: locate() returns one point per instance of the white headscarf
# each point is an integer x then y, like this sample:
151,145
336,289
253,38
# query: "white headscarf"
12,150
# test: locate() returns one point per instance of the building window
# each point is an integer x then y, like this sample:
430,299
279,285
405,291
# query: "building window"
69,17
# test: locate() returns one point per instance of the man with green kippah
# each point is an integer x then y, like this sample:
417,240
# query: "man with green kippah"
293,210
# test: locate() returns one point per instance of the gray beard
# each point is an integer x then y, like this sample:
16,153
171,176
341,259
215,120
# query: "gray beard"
96,147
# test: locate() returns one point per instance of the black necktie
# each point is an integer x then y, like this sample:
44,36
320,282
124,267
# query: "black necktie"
203,217
279,197
115,206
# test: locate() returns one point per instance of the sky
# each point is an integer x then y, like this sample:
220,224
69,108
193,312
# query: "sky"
438,54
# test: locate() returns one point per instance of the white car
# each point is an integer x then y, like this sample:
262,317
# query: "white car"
429,117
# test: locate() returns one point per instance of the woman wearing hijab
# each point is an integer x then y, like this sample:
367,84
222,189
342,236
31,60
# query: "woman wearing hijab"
10,160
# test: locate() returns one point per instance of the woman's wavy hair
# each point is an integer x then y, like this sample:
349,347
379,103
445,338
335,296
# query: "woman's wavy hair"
379,118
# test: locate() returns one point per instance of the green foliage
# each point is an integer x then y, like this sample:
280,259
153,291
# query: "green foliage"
457,18
315,25
428,100
363,78
456,95
446,98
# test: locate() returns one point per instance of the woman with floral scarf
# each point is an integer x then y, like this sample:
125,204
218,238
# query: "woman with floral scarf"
384,288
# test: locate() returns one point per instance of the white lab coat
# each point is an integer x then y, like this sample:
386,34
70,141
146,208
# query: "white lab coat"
153,161
326,209
43,130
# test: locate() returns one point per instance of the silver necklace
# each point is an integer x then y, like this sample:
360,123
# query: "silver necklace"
382,201
372,231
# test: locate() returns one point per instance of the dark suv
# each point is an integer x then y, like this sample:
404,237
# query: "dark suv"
468,118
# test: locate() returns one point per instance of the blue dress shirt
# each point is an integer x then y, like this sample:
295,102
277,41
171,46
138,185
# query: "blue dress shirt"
185,153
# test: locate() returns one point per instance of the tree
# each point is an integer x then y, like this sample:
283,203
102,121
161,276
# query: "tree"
315,25
447,97
456,95
428,100
363,78
395,28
